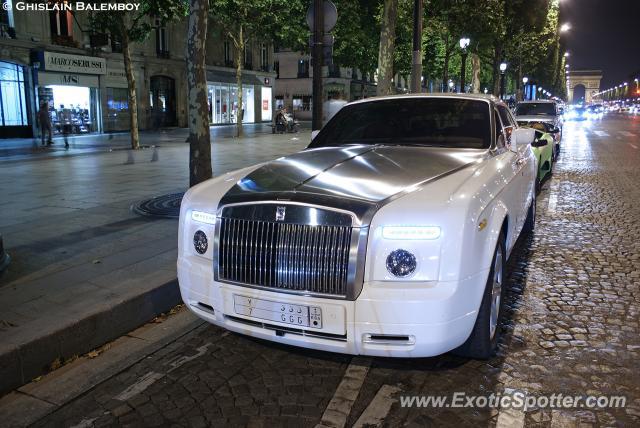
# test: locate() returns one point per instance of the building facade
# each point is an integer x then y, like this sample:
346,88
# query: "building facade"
294,86
50,56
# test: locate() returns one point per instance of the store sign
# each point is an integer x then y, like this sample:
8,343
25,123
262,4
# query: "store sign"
53,61
67,79
116,78
266,96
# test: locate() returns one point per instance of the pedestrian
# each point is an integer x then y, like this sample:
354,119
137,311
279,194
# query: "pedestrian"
44,121
66,121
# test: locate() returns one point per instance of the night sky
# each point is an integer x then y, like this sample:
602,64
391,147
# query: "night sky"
604,35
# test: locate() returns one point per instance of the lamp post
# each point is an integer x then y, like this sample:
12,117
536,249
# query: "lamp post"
464,43
525,79
565,27
451,85
503,68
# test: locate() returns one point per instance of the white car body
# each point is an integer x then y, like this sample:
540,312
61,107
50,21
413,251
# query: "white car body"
428,313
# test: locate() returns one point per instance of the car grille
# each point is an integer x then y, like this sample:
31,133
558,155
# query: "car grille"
282,256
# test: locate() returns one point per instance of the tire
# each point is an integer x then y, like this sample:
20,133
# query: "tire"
530,221
483,341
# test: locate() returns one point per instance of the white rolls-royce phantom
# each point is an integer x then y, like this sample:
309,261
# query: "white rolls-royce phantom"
387,236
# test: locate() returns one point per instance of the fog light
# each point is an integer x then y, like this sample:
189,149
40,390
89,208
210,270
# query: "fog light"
200,242
401,263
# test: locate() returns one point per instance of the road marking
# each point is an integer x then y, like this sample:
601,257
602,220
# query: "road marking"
601,133
338,409
628,134
377,411
634,146
152,377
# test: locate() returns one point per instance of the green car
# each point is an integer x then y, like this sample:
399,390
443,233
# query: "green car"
542,148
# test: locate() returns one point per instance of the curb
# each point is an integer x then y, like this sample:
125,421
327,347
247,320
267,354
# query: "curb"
22,363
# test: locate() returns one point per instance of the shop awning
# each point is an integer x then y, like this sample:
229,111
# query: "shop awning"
230,77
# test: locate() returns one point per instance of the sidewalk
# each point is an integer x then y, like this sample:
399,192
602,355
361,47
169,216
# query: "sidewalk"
84,268
31,148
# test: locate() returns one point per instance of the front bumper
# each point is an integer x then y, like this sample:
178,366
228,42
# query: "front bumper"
391,319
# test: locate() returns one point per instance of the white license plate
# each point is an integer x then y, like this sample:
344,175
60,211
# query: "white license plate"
300,315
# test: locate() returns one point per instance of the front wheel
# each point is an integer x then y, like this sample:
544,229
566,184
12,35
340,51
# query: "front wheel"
483,341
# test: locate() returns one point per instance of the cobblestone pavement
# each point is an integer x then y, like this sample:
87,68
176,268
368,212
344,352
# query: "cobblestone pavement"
571,328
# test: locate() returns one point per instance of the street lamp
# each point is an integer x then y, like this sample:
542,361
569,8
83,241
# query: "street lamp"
464,43
451,84
566,54
525,79
565,27
503,68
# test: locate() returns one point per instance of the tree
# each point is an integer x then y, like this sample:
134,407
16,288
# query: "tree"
387,45
242,20
130,28
199,134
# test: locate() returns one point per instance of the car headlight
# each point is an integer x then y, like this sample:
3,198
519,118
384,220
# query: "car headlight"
401,263
410,232
200,242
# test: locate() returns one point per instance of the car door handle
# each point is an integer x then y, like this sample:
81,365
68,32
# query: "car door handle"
520,161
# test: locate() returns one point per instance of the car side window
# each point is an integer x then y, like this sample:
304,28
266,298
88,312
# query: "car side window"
500,142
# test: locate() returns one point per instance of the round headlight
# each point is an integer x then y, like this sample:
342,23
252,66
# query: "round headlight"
200,242
401,263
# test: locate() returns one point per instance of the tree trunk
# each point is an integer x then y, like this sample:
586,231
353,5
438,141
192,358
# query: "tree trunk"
387,47
475,73
199,134
131,87
445,66
496,70
239,60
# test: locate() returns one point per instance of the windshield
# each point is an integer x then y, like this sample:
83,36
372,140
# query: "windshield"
538,126
533,109
443,122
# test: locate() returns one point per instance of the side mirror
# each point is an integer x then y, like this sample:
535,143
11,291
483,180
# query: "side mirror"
522,137
314,133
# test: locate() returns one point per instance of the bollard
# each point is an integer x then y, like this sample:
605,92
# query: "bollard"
130,159
154,156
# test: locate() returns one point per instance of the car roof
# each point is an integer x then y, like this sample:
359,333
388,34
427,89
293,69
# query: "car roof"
538,102
475,97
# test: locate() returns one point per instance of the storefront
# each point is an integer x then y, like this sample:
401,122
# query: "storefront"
14,114
69,87
116,110
257,103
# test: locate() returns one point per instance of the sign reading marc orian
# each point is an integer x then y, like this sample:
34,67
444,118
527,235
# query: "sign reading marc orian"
54,61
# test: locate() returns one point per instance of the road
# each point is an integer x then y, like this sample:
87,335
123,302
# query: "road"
572,327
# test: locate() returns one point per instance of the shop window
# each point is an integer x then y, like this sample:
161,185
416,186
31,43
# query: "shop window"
303,68
162,45
61,25
162,95
13,106
279,102
118,118
264,57
228,54
248,57
76,106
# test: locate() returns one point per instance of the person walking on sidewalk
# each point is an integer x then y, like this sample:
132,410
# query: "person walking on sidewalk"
44,120
67,122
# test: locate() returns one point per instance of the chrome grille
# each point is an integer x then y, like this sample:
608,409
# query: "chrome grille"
284,256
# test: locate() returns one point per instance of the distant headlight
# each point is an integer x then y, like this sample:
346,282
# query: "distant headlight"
401,263
410,232
200,242
203,217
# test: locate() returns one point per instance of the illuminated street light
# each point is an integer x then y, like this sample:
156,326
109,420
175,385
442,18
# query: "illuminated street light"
566,54
565,27
525,79
503,68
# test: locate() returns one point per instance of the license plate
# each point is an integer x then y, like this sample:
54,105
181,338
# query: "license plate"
300,315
